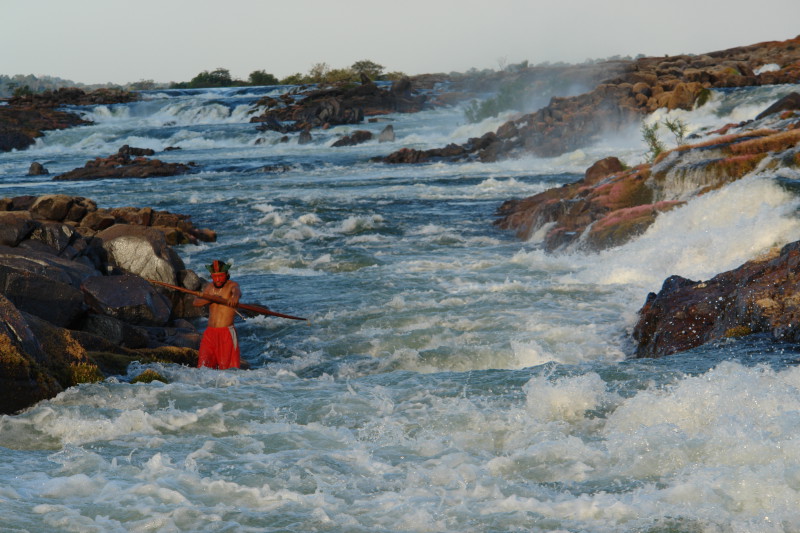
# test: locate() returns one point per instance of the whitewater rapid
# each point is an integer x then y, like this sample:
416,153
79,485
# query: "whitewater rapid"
453,378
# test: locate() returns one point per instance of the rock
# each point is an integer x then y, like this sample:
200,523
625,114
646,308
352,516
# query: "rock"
304,137
611,204
51,207
37,169
127,298
333,106
141,251
601,169
357,137
14,227
629,91
387,135
118,169
760,296
20,126
22,380
116,331
790,102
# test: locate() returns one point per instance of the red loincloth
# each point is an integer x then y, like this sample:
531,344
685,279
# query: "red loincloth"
219,348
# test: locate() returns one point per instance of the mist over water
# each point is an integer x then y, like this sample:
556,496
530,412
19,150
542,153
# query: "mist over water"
453,378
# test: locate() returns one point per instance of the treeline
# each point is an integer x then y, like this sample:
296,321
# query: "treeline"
320,73
26,84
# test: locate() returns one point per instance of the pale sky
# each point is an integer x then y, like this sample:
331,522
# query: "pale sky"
99,41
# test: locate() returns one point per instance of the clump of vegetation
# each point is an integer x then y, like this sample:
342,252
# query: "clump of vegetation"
654,144
738,331
702,97
320,73
510,96
678,128
148,376
82,372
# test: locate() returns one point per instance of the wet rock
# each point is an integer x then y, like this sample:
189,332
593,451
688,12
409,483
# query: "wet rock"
63,320
760,296
23,382
357,137
387,134
789,102
20,126
37,169
613,204
305,137
120,165
337,105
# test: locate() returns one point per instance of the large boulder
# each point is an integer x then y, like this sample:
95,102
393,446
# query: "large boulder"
43,285
142,251
23,381
128,298
14,227
760,296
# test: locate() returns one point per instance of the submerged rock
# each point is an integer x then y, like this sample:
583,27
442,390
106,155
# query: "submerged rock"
121,165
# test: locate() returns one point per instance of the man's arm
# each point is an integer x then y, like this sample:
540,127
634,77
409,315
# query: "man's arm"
200,302
236,293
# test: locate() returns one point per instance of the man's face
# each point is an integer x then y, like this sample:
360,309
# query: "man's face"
219,279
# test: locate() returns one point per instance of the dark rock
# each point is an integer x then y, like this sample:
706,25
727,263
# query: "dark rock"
21,126
127,298
116,331
15,227
46,294
760,296
357,137
305,137
22,379
789,102
37,169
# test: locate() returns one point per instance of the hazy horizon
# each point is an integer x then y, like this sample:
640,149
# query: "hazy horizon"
96,42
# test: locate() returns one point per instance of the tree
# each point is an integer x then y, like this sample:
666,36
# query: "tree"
294,79
369,68
318,73
654,144
220,77
260,77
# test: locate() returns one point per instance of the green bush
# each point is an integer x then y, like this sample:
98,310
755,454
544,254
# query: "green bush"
510,96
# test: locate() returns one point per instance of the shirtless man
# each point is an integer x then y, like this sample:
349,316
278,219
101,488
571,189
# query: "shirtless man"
219,347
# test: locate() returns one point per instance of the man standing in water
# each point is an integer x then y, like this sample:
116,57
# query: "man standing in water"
219,347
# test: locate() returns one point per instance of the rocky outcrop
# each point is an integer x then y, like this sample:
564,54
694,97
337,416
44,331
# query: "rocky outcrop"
56,219
337,105
27,117
761,296
126,163
357,137
611,204
73,96
644,85
74,301
21,126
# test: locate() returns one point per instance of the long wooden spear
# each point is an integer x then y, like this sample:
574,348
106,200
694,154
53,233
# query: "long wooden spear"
258,309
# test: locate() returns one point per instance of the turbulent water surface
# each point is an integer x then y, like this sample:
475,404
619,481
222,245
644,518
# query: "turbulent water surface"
452,378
